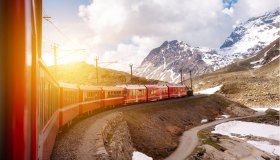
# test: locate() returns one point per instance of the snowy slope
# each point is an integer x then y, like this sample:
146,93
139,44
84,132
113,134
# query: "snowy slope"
165,62
209,90
250,37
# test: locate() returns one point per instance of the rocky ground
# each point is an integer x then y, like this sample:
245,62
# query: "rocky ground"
250,90
267,119
225,148
219,147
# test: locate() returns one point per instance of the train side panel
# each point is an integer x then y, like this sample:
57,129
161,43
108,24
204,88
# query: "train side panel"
153,93
134,94
113,96
91,99
163,92
176,91
48,113
69,108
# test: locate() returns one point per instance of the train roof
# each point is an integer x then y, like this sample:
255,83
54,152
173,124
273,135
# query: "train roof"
90,87
176,85
133,86
111,88
68,85
156,86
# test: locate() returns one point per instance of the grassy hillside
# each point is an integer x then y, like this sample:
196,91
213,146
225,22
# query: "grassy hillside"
257,87
83,73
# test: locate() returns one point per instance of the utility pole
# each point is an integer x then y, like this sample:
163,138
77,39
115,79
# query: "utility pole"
181,72
55,53
55,57
191,78
96,65
130,65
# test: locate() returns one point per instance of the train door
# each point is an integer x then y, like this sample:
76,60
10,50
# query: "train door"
125,95
160,93
137,92
179,90
102,102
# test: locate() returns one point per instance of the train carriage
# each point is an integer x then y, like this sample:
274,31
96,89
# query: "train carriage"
91,98
176,91
134,94
163,91
152,92
69,103
48,112
112,96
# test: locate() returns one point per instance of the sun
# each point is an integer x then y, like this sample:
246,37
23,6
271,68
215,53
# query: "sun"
64,56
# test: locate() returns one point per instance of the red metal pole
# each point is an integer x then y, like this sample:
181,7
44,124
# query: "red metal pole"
13,79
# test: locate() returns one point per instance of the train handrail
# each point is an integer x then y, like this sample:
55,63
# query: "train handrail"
44,66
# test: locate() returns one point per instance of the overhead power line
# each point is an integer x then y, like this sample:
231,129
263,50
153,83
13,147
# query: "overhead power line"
58,29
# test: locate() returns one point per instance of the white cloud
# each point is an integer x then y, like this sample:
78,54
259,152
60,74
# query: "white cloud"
126,30
127,53
228,11
246,9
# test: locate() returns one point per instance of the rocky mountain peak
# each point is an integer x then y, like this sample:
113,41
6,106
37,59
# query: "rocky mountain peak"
268,21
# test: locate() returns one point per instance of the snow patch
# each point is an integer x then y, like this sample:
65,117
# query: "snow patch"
140,156
263,109
258,66
204,120
209,90
248,128
252,129
258,61
223,117
226,116
266,146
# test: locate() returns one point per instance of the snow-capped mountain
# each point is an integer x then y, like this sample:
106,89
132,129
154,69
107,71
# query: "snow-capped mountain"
250,37
165,62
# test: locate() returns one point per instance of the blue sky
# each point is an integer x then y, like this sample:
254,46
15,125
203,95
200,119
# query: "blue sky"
229,3
63,10
127,30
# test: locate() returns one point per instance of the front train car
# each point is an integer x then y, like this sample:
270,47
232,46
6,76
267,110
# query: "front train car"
177,90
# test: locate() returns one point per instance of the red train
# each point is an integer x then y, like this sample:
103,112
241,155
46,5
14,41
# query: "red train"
33,105
75,101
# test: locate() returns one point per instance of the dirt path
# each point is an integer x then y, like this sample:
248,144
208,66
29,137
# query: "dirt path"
189,140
